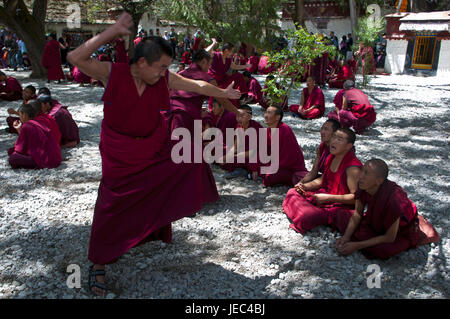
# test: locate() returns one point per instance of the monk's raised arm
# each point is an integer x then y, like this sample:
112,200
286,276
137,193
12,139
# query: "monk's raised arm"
81,56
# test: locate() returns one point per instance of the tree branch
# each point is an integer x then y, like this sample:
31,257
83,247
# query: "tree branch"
40,9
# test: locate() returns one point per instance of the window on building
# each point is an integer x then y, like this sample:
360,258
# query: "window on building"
424,47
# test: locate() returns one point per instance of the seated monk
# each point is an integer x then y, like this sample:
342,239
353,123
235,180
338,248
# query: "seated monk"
35,147
263,67
186,57
356,111
28,94
47,120
11,90
312,103
291,160
318,202
250,151
391,223
254,62
254,94
344,74
69,129
223,118
326,132
332,68
80,77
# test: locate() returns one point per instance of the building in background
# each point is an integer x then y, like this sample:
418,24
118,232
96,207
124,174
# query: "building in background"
418,43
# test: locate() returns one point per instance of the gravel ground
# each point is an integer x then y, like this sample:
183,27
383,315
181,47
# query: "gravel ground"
240,246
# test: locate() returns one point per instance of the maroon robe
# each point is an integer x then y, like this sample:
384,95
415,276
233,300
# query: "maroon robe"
302,210
12,88
318,69
388,204
263,67
186,58
66,124
254,61
343,75
227,120
35,147
121,52
185,109
218,70
48,121
142,191
291,160
79,76
359,115
255,91
51,60
315,98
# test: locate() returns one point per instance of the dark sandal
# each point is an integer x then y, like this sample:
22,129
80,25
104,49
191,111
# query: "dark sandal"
93,280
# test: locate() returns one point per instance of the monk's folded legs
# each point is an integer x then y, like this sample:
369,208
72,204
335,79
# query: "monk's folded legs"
304,215
17,160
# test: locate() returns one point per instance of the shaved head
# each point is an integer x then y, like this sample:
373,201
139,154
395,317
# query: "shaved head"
380,167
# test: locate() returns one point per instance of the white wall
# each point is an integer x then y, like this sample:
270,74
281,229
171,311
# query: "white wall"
444,59
395,56
149,22
339,26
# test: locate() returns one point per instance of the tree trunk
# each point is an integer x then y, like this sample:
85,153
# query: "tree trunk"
300,13
353,18
28,27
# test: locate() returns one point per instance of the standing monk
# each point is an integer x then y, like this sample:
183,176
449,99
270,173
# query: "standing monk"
354,109
319,202
312,103
51,59
391,223
142,190
291,160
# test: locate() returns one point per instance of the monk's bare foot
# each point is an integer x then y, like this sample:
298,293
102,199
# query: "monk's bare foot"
97,280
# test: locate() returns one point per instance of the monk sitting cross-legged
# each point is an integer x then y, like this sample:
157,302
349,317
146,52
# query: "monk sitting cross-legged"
12,90
312,104
291,160
35,147
318,202
67,126
249,152
391,223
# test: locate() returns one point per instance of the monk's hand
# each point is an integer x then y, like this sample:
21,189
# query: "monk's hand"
341,241
300,187
321,198
232,93
11,111
123,24
348,248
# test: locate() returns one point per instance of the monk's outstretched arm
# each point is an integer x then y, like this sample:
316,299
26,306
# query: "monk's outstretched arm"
81,56
178,82
238,67
210,49
226,102
353,222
